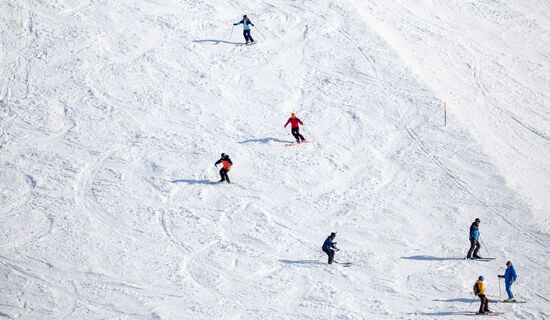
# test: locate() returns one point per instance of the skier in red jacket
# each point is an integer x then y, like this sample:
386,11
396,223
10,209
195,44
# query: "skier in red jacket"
226,166
295,125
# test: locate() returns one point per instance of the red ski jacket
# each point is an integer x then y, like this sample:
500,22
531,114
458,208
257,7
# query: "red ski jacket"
294,122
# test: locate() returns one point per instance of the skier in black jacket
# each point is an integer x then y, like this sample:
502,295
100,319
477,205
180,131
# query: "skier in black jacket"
329,247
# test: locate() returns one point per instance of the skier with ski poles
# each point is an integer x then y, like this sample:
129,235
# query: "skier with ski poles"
226,166
479,290
329,247
295,127
246,29
474,240
510,277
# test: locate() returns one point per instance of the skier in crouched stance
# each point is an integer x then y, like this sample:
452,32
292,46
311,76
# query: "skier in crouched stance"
226,166
295,125
246,29
329,247
479,290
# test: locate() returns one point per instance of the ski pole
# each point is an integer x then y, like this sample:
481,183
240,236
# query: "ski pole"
499,292
231,35
472,302
484,246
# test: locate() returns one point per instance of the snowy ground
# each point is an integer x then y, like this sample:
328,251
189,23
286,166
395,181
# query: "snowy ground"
112,114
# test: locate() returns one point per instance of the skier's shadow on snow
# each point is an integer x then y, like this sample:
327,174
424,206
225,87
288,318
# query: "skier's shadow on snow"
191,181
264,141
446,313
430,258
299,261
464,300
5,315
214,41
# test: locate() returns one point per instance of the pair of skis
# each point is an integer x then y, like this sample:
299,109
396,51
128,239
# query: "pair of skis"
504,301
343,264
487,314
480,259
298,143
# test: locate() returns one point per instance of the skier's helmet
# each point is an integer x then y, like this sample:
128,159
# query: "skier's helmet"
223,155
481,278
509,263
244,17
333,234
477,220
293,115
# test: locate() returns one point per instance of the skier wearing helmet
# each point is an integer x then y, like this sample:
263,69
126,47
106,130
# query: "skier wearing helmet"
510,277
479,290
295,127
246,29
226,166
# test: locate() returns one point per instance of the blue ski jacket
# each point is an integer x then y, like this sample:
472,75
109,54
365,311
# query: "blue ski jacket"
474,232
329,244
510,274
246,24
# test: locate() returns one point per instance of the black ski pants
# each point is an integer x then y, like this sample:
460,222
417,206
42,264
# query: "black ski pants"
224,176
296,133
474,248
247,36
330,253
484,306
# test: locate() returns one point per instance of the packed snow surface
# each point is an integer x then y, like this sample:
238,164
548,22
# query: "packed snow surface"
112,114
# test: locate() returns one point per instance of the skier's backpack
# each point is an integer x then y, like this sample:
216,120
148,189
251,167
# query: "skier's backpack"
476,289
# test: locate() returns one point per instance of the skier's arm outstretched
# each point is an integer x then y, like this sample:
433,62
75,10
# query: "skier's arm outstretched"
287,122
237,23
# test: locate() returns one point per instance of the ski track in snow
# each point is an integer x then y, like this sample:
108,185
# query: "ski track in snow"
112,115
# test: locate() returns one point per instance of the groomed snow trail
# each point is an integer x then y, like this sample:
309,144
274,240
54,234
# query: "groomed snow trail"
113,113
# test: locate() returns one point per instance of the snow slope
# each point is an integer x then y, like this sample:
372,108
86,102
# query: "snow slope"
113,113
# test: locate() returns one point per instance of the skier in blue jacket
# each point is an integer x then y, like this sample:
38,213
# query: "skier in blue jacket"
510,277
329,247
246,29
474,240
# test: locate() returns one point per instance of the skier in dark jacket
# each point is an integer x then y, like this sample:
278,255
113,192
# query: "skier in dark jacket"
246,29
329,247
510,277
295,127
474,240
226,166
